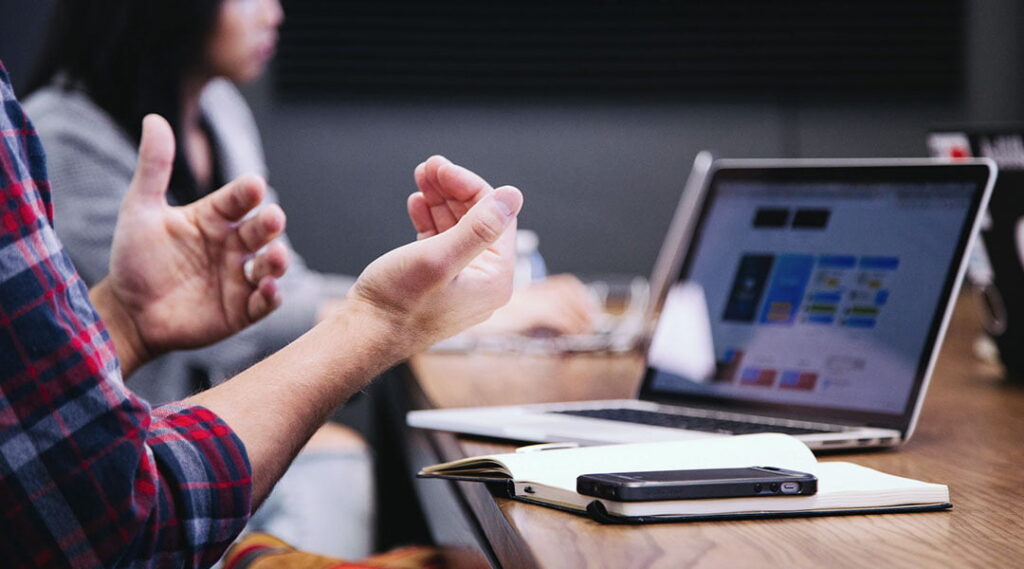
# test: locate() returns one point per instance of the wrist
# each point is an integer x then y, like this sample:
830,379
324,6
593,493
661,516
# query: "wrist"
374,329
131,349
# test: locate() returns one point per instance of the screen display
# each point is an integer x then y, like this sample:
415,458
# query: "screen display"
812,294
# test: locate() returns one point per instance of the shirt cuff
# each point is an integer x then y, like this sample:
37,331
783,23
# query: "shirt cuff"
207,474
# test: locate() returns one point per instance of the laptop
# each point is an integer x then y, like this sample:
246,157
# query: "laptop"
805,297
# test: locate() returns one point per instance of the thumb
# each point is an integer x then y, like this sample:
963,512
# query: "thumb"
482,227
156,160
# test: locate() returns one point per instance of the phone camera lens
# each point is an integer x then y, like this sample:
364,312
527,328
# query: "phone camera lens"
758,488
774,486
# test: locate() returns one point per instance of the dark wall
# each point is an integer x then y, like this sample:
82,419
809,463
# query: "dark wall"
601,178
22,28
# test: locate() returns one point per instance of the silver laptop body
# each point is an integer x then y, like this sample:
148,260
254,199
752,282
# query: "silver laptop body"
808,297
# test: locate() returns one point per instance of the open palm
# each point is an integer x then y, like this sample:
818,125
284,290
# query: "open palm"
179,272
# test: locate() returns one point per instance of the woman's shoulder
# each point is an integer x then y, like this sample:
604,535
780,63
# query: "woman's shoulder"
223,103
221,92
57,108
234,125
66,116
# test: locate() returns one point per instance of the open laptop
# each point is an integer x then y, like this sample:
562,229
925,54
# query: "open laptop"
798,296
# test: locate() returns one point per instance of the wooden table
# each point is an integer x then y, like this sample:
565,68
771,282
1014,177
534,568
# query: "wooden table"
970,436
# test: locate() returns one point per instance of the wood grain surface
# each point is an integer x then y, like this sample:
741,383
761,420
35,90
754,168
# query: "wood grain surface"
970,436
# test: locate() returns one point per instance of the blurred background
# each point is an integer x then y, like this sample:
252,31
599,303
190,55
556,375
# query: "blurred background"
594,108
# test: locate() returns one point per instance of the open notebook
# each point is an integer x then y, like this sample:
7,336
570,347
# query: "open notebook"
548,477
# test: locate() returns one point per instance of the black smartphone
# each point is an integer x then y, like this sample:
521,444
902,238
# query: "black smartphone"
696,484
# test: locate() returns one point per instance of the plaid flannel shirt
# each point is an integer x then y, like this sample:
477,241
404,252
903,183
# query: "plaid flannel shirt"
90,476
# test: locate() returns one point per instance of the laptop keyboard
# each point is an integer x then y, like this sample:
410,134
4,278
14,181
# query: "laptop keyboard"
706,424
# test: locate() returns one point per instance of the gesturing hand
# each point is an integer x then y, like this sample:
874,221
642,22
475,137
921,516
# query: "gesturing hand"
177,276
560,304
447,192
460,269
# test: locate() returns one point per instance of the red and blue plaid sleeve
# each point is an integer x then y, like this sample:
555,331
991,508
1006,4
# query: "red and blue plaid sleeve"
90,476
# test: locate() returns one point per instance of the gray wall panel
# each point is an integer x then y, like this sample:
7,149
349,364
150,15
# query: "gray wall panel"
601,179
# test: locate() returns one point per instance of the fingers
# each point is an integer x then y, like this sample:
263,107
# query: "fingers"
444,218
264,300
458,209
560,304
568,319
419,213
576,320
449,190
573,293
483,227
156,160
460,184
270,263
262,228
267,267
559,322
581,306
426,179
233,201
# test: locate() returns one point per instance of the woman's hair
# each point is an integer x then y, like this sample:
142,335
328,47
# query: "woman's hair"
131,57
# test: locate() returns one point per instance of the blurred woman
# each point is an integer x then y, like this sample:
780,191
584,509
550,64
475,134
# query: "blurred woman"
107,64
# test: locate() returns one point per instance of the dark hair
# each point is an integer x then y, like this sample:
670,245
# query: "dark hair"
131,57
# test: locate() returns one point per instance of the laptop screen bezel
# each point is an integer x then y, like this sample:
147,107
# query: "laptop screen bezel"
975,172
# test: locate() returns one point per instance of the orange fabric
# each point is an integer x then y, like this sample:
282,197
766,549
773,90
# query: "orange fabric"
262,551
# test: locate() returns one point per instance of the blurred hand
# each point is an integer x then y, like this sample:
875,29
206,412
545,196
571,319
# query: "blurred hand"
177,275
457,273
557,305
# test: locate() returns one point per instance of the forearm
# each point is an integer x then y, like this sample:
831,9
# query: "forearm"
276,405
131,350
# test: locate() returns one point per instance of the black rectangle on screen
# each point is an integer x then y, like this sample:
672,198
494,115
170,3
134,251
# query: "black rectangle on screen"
811,218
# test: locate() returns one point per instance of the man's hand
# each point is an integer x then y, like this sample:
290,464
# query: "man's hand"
460,269
178,276
558,305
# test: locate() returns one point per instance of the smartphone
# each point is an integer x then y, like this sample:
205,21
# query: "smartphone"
697,484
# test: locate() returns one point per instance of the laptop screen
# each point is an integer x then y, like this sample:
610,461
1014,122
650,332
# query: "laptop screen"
814,290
